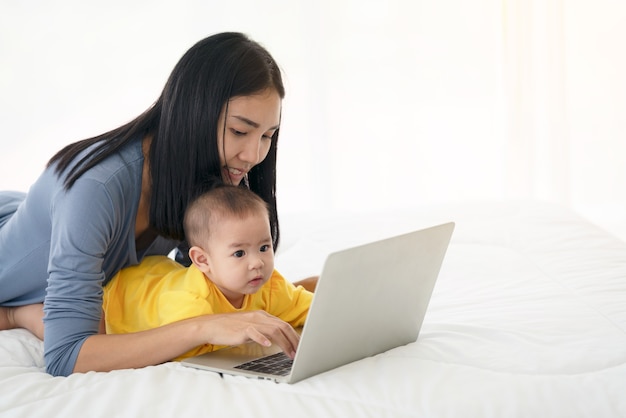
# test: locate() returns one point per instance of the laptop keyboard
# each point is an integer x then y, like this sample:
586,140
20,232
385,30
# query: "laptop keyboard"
278,364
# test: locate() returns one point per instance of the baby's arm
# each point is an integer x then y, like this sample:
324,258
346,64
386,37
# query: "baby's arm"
310,283
289,301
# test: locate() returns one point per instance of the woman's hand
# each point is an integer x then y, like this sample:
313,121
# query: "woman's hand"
258,326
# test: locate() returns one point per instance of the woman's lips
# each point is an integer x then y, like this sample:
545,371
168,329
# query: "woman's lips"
234,174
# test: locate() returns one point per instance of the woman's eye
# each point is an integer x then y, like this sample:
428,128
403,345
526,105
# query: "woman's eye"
239,253
237,133
269,136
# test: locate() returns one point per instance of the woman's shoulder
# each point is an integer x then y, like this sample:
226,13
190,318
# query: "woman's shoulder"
113,182
121,167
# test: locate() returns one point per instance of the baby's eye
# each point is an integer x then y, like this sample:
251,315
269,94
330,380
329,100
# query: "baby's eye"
265,248
239,253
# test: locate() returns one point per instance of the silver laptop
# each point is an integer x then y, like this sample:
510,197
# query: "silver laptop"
369,299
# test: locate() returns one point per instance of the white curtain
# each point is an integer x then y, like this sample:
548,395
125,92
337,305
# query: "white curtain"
564,92
534,95
390,103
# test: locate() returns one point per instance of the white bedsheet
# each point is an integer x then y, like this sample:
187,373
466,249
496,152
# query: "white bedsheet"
528,319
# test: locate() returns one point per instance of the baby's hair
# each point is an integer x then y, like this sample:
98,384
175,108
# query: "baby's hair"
221,200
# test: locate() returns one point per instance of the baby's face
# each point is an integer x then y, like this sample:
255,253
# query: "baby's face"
241,253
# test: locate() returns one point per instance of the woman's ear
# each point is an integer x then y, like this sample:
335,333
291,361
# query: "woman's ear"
200,258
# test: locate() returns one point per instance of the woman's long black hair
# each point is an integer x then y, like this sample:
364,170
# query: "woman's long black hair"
183,124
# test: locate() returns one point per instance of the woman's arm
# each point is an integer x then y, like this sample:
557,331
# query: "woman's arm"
104,352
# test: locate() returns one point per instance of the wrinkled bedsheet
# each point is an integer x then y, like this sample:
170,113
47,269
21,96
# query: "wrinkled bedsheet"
527,319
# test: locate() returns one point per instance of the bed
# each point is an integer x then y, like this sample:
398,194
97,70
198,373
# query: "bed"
527,319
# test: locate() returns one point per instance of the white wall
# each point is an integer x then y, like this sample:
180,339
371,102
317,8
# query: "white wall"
390,103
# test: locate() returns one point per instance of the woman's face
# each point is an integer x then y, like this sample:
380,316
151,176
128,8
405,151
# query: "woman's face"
245,133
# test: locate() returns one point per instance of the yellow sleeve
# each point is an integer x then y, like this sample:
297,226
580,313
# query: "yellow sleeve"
155,292
178,305
288,302
129,300
186,296
195,296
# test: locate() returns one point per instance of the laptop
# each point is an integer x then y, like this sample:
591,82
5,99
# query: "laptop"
368,300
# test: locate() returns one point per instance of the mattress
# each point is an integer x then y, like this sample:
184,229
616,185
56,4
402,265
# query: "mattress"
528,318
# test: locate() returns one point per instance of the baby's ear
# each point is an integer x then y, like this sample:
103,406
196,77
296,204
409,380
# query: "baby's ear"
200,258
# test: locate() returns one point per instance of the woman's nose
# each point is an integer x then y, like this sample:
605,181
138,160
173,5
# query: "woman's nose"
250,153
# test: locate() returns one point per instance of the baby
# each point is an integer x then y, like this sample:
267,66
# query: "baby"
228,231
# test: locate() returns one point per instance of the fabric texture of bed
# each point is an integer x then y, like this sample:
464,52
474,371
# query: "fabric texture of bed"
527,319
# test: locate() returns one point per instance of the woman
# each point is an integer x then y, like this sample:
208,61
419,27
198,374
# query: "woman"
105,203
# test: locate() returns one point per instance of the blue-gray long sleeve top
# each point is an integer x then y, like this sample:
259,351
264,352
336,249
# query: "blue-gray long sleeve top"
61,246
